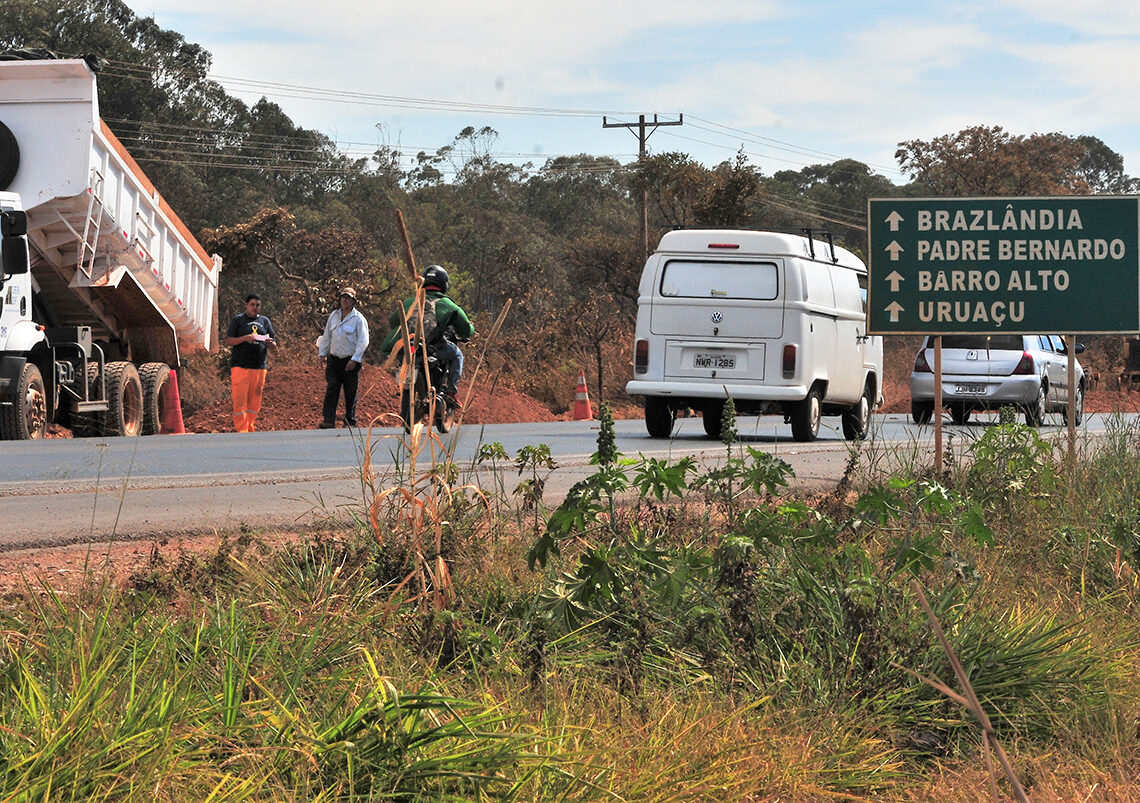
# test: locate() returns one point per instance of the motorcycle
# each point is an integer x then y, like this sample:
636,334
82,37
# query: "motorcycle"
422,396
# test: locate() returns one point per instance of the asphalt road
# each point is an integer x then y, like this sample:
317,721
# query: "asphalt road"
73,491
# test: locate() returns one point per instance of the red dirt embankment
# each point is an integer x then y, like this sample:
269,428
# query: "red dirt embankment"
294,393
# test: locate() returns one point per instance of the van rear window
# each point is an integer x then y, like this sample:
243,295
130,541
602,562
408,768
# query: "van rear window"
750,280
991,342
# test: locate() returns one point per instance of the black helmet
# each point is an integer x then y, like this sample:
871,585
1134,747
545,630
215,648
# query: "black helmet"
435,276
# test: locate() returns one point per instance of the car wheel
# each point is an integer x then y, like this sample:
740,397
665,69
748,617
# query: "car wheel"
711,415
1078,406
659,417
1035,412
857,419
921,412
960,414
805,417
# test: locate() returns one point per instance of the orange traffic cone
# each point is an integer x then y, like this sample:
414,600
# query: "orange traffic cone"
172,408
582,410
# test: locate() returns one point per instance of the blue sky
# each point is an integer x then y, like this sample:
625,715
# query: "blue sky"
793,82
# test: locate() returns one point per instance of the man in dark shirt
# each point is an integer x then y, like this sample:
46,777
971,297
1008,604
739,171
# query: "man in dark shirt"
249,336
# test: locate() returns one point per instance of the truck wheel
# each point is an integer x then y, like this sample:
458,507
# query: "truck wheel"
26,417
921,412
9,157
659,417
805,417
125,400
155,378
711,415
857,419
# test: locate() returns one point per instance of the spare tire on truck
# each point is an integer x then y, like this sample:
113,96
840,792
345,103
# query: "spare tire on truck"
9,157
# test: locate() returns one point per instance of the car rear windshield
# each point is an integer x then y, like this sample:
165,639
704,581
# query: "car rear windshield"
991,342
751,280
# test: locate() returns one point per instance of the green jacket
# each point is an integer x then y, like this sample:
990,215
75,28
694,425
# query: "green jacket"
447,313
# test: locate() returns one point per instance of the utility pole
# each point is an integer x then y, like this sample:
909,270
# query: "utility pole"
642,135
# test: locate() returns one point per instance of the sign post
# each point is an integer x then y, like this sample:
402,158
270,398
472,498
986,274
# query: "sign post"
1019,265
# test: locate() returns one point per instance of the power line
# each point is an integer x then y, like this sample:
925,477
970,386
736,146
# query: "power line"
297,91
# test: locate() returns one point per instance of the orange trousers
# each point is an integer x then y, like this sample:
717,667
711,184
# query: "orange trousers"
246,385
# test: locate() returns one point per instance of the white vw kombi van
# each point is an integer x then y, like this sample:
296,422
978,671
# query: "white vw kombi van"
775,321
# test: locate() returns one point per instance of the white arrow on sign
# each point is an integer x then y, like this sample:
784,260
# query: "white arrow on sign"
894,308
894,218
894,277
894,249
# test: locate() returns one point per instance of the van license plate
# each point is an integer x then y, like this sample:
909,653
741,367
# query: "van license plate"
971,390
714,361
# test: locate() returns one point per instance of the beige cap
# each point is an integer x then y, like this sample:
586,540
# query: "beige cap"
348,291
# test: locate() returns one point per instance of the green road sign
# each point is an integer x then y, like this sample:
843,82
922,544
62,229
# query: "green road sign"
1019,265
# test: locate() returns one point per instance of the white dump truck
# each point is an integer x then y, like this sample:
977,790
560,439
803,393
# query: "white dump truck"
103,287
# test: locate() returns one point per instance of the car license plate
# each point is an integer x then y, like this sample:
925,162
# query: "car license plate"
714,361
971,390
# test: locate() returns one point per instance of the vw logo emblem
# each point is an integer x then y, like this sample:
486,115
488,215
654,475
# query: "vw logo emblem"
717,317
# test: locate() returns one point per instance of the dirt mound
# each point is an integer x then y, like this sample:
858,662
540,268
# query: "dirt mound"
293,396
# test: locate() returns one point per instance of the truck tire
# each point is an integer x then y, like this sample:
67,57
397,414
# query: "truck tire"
805,416
125,400
857,418
9,157
659,417
26,417
155,378
88,425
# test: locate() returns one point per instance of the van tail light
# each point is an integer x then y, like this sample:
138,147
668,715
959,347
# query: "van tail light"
641,357
789,361
1025,365
921,366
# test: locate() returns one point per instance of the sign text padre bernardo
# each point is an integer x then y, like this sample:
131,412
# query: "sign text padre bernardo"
955,265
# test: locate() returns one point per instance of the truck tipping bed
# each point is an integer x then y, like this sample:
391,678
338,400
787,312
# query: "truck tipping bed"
109,251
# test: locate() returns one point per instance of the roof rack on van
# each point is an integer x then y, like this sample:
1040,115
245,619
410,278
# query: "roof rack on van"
809,233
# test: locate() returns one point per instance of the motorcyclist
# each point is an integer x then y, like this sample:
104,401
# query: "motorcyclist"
452,325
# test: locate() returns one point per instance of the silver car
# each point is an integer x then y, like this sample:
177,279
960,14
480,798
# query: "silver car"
985,372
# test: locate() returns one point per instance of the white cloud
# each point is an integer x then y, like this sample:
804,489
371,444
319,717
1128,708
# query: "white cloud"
1092,17
831,76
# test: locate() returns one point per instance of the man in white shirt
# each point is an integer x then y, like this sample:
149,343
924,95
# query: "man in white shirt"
342,353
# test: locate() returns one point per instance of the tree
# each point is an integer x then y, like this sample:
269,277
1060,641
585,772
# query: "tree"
1103,169
833,196
676,185
988,161
311,266
726,201
576,194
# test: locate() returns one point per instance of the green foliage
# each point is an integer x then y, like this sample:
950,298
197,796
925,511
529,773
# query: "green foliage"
728,423
1009,462
607,454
